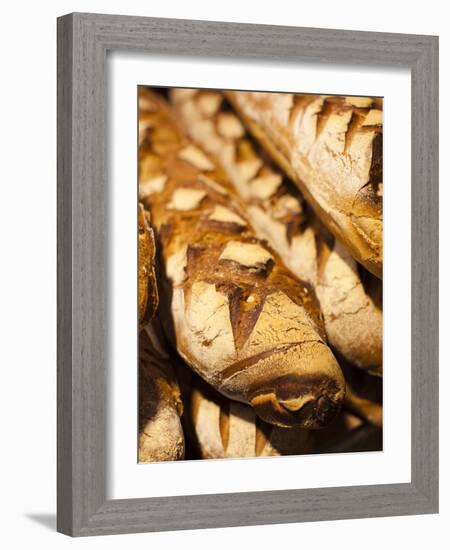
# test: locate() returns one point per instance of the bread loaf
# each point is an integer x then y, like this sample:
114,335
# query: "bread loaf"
220,428
160,407
147,287
331,147
235,313
351,301
276,209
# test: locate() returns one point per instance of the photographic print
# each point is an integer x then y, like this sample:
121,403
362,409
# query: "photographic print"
245,260
260,230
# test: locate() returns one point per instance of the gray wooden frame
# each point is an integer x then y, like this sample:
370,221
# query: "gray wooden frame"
83,41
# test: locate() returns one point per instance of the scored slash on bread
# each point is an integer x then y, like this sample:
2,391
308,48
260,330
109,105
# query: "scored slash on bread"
352,314
220,428
217,427
235,313
331,147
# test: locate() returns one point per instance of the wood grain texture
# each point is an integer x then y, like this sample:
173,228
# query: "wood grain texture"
83,40
64,328
425,272
83,267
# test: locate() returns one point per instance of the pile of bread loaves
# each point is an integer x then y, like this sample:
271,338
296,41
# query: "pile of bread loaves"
260,234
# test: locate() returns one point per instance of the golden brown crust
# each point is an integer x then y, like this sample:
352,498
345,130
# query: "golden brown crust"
331,147
220,428
240,318
147,287
353,319
160,433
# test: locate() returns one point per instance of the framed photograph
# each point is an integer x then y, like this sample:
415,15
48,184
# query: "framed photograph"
247,274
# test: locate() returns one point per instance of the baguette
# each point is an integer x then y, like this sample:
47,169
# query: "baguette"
236,315
331,147
160,432
353,318
147,288
220,428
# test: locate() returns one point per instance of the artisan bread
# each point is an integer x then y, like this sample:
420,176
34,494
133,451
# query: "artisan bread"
236,315
147,287
221,428
276,209
160,432
331,147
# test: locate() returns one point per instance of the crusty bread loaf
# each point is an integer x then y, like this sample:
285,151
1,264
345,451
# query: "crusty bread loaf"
147,287
352,305
160,407
237,316
221,428
331,147
276,209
